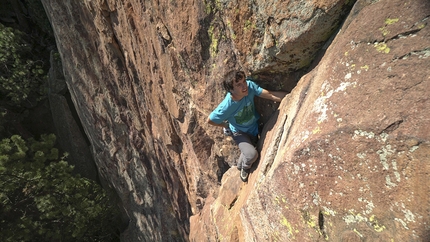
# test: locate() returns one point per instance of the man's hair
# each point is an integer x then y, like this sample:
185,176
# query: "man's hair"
231,78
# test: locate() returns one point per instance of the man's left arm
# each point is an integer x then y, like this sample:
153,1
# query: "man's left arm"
275,96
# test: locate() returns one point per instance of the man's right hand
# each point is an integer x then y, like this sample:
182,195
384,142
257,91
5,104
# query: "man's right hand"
227,131
223,124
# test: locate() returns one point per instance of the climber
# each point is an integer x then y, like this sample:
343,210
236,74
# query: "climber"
237,115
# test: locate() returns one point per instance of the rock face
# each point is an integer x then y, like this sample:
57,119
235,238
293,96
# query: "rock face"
344,157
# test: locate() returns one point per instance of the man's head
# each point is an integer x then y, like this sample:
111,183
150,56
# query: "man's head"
231,78
235,83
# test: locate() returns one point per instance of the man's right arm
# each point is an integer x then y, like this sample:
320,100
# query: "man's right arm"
275,96
223,124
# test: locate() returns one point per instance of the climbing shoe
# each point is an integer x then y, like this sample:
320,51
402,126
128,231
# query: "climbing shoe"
244,173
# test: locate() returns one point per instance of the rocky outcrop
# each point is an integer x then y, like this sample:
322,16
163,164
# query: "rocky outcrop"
281,36
343,157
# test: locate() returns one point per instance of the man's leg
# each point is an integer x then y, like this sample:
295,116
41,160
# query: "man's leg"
247,148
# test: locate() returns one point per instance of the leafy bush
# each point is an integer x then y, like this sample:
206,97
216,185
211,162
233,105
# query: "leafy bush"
40,199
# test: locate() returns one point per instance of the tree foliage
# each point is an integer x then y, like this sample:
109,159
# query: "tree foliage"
41,199
21,74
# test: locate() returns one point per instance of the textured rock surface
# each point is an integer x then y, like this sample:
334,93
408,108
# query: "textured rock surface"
278,36
344,157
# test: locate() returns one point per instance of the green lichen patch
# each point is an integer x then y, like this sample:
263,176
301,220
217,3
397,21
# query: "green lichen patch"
382,48
249,25
365,67
215,36
421,26
384,31
389,21
376,226
288,225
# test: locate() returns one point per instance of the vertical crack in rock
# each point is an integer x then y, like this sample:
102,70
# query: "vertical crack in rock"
321,224
232,203
273,153
280,135
321,221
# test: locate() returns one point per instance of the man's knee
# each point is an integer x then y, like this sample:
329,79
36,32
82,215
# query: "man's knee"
251,155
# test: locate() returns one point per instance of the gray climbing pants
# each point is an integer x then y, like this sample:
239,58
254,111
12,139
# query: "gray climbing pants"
249,153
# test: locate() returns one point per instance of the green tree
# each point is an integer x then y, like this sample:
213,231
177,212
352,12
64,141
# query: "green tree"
21,74
41,199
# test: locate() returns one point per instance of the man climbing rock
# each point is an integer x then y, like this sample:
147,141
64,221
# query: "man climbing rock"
237,113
